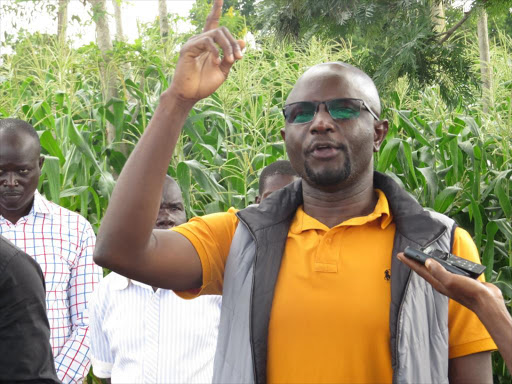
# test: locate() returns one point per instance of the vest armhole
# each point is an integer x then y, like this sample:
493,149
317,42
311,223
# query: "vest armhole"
452,236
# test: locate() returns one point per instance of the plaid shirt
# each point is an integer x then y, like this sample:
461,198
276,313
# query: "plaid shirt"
62,242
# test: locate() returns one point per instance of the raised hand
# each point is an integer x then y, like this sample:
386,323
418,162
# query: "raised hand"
200,69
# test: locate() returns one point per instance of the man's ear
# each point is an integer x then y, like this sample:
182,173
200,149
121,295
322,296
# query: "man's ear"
283,134
380,132
41,161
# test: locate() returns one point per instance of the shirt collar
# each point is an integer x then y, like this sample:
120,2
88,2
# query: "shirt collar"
303,222
40,205
120,282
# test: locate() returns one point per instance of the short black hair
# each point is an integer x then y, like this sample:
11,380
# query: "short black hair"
279,167
17,125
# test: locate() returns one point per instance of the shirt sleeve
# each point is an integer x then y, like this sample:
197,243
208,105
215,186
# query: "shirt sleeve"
101,355
72,364
211,236
467,333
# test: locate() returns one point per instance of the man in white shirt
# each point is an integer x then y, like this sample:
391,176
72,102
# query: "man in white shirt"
60,241
141,334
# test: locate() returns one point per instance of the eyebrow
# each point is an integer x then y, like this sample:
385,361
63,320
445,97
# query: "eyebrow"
172,204
19,166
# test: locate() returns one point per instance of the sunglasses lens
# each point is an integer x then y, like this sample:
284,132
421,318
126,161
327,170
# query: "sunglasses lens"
339,109
344,109
299,112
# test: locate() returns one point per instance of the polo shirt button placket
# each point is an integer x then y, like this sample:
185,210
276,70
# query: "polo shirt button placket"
324,261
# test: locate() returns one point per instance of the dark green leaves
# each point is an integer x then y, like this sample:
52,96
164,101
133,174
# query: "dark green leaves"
445,199
51,173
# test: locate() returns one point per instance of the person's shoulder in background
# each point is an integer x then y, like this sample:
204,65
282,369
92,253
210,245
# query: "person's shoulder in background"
25,352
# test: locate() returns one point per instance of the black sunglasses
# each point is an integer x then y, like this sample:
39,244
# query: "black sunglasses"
339,109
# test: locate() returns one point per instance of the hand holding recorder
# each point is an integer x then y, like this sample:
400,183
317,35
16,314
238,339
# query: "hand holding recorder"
485,299
450,262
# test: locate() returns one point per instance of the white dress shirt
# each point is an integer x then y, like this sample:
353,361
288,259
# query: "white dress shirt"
142,336
62,242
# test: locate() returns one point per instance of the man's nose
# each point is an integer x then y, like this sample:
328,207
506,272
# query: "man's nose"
165,219
9,180
165,224
322,121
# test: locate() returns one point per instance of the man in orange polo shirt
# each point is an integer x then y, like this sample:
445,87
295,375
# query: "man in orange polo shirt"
312,289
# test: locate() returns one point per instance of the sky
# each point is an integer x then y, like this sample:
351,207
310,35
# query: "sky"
133,11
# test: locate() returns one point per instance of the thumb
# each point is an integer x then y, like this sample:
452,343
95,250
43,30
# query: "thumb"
436,269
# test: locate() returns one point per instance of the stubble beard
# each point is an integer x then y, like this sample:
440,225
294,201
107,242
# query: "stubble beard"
329,177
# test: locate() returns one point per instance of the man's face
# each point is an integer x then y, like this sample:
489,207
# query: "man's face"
273,183
20,169
172,211
326,152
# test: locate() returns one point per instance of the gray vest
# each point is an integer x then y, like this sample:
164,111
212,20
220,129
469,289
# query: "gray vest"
418,314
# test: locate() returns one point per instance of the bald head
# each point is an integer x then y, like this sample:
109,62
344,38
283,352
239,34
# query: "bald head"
20,132
172,210
171,190
351,80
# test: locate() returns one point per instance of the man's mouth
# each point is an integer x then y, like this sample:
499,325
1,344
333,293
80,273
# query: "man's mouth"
324,150
11,194
164,225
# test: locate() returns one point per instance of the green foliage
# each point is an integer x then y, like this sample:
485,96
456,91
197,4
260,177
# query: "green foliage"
327,18
58,90
392,38
501,22
453,167
495,7
234,15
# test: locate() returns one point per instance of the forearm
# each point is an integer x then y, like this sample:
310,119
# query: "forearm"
126,228
497,320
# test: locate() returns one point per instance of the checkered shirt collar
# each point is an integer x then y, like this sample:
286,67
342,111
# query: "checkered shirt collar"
40,205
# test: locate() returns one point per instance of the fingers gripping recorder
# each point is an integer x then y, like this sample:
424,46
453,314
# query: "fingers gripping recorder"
451,263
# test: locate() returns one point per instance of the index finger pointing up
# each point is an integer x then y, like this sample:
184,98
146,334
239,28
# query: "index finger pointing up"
212,21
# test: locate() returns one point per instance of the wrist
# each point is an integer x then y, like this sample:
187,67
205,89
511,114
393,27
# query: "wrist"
484,304
490,308
171,97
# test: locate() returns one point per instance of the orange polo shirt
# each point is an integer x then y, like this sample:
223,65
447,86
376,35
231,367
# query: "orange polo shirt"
330,315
